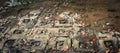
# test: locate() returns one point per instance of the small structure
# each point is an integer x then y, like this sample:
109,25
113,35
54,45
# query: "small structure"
30,19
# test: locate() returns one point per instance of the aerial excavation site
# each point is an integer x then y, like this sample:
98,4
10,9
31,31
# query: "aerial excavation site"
59,26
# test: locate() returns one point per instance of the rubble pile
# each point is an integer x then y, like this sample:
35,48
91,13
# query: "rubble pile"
49,29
